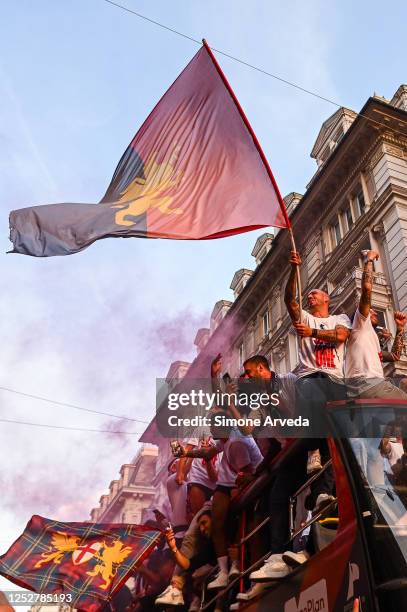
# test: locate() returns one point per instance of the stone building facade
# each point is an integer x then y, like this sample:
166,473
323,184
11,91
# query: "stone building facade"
357,199
151,435
131,494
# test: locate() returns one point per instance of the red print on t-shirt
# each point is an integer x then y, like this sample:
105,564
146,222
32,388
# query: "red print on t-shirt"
324,354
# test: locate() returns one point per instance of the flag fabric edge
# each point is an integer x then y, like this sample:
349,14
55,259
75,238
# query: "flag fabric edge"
251,132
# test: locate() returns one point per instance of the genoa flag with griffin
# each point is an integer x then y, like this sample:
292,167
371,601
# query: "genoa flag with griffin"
85,562
194,170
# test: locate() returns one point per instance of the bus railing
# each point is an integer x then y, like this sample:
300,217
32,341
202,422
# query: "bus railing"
244,538
293,498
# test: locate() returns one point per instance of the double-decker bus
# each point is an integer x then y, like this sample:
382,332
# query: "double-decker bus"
360,559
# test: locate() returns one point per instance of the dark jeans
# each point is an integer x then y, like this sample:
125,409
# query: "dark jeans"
289,478
312,394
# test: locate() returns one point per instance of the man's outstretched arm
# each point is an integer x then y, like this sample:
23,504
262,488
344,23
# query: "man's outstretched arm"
394,355
179,557
290,288
205,452
365,301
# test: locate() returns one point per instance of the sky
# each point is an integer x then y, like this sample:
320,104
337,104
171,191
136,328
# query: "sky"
77,79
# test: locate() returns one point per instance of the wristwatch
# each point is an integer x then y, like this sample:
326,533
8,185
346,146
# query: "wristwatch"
314,332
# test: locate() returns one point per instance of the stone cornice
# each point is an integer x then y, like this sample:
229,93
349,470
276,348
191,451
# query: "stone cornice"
125,492
328,128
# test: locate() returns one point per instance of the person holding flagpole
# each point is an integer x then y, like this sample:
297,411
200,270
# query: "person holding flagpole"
321,366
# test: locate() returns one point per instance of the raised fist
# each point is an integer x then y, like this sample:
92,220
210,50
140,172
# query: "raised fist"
372,255
400,319
295,259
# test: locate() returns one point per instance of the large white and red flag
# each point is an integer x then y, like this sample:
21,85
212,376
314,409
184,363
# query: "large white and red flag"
194,170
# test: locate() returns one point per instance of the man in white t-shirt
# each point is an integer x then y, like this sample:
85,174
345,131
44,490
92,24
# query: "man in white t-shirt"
364,357
241,456
203,475
322,336
364,370
177,495
320,372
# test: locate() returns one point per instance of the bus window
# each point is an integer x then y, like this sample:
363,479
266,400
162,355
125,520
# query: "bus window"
374,435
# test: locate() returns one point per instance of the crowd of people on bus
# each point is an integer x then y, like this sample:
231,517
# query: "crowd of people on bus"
339,358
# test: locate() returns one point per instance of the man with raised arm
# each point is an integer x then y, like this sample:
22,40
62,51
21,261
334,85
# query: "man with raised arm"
321,346
240,459
364,370
196,549
364,358
320,372
323,336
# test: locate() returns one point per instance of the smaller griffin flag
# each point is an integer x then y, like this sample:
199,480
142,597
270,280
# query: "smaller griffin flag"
194,170
85,562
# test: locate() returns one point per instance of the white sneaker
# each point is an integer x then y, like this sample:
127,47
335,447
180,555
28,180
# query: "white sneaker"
273,568
253,592
170,597
234,571
323,499
314,461
220,582
295,559
195,604
234,606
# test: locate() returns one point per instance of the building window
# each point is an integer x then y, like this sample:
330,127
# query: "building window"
336,233
262,254
339,136
266,323
241,355
381,317
324,155
360,203
347,214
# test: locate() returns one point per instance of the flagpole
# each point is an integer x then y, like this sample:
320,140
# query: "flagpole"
297,272
264,160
